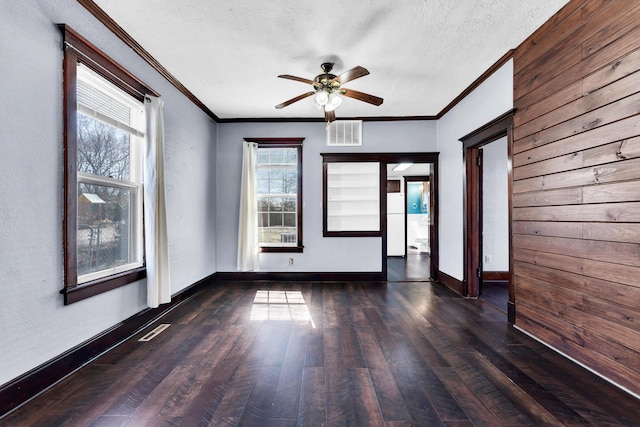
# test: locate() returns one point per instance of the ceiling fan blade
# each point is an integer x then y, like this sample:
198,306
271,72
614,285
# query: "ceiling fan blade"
296,99
352,74
329,116
298,79
361,96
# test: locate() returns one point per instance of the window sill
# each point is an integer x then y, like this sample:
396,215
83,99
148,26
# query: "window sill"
281,248
95,287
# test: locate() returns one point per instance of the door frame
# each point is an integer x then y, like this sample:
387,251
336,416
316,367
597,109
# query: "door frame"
471,143
417,157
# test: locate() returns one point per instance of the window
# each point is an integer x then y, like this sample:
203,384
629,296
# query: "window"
279,193
104,125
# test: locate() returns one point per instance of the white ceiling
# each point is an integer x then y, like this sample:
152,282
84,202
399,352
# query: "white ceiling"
421,53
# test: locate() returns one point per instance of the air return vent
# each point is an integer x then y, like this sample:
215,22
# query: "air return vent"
344,133
151,335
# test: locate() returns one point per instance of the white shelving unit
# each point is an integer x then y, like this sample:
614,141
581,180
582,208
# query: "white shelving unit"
353,196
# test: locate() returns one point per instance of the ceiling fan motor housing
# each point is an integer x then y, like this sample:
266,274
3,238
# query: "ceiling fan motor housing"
326,82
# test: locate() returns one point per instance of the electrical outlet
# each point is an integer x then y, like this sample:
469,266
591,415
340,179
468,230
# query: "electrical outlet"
290,261
487,259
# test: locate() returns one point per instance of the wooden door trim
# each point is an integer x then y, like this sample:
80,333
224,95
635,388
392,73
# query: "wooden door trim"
471,144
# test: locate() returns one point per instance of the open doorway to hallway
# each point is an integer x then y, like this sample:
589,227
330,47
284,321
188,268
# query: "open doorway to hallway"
494,286
409,221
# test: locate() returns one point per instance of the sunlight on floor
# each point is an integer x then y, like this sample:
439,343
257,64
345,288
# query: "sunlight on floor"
280,305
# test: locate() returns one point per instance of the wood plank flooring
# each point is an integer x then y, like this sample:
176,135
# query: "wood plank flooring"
333,354
412,267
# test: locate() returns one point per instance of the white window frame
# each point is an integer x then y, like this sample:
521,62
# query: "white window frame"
134,127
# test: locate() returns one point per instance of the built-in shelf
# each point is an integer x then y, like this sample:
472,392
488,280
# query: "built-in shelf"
352,197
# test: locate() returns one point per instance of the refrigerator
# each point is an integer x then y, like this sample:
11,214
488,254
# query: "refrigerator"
396,245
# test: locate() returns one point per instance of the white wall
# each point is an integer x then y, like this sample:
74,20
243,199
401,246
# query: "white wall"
491,99
320,254
495,206
34,325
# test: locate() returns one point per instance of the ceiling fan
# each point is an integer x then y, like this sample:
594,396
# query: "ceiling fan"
327,89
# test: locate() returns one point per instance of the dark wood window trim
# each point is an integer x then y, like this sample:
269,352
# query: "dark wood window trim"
78,50
286,143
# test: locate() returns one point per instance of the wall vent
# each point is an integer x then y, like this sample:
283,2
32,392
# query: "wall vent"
344,133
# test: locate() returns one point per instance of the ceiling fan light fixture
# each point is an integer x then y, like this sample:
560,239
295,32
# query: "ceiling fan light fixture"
322,97
334,101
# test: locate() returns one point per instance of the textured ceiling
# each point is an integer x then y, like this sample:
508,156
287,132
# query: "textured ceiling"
421,53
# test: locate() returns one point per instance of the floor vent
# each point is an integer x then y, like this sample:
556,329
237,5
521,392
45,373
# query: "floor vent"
344,133
151,335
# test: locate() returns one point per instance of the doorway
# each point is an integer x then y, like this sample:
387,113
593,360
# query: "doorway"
474,261
410,238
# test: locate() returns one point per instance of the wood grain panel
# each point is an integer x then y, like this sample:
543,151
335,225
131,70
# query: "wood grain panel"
612,350
604,212
621,130
615,252
617,192
622,171
617,69
535,105
563,196
552,323
611,232
619,315
528,111
576,28
627,296
600,59
556,229
616,28
530,184
606,328
626,232
626,274
554,298
549,34
609,153
623,108
559,262
590,101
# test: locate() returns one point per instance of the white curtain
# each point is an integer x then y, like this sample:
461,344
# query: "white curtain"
155,211
248,254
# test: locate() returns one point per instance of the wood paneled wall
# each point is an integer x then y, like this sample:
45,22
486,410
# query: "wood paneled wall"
576,190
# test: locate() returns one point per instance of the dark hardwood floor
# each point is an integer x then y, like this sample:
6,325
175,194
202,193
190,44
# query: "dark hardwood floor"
495,294
360,354
413,267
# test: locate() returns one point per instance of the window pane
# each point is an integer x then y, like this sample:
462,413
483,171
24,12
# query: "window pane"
290,219
275,156
288,235
276,173
263,220
291,182
289,204
276,186
263,186
263,204
275,204
291,156
263,156
104,228
263,173
275,220
102,149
